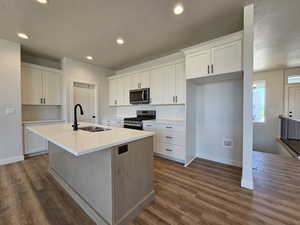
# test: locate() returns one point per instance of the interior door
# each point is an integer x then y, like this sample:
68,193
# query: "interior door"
84,94
227,58
198,64
180,83
294,102
52,88
32,86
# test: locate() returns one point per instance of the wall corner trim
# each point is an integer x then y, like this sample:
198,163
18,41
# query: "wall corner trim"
11,160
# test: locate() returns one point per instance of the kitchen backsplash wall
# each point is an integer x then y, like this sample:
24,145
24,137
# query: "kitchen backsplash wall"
167,112
38,113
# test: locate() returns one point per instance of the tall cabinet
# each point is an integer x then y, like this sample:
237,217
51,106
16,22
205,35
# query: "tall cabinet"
41,100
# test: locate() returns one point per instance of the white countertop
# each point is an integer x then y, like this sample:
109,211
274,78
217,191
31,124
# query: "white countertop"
82,142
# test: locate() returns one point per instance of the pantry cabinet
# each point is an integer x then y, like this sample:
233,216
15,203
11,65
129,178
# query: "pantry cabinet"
220,56
119,91
40,85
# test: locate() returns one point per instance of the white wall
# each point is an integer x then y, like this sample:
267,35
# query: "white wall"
74,70
219,117
265,134
10,98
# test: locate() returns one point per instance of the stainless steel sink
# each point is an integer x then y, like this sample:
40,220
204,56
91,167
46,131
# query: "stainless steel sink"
94,129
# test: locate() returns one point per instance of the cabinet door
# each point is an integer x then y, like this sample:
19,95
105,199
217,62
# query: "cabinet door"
140,80
32,86
227,58
120,86
198,64
180,83
126,86
52,88
113,85
34,143
162,85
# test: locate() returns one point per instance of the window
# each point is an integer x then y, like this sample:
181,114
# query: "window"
259,101
293,79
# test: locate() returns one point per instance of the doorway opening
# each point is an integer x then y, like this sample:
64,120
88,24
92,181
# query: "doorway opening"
85,94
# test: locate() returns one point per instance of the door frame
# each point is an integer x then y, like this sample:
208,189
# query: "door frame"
72,99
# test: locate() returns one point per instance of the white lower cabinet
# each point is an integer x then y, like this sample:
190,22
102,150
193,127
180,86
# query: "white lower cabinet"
33,143
169,140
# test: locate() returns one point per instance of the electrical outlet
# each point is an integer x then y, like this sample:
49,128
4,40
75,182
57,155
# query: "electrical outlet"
227,143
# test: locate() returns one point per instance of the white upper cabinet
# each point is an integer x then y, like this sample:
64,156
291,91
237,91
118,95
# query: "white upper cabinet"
140,80
162,85
227,58
180,83
113,92
126,87
220,56
52,88
198,64
32,88
119,91
40,86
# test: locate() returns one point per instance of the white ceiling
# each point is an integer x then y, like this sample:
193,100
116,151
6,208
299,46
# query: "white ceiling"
76,28
277,34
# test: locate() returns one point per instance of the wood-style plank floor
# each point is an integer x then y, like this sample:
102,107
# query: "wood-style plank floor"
205,193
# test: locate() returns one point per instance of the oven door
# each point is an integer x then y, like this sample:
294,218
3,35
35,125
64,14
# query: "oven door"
133,126
140,96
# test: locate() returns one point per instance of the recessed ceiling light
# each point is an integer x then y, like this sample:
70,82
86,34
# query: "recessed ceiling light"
178,9
120,41
23,36
42,1
89,57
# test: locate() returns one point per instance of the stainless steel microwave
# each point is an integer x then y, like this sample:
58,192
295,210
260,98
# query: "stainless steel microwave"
139,96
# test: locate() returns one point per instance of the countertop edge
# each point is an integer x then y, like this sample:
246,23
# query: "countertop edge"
43,121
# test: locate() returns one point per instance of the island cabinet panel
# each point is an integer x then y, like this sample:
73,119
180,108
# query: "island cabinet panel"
112,185
133,178
89,176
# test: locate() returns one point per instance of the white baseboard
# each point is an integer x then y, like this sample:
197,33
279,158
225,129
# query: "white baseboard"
11,160
247,183
223,161
189,162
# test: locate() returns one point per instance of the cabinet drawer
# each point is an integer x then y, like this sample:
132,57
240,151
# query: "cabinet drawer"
170,127
173,138
149,126
177,152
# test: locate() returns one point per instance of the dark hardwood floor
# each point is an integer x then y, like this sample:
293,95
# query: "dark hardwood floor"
205,193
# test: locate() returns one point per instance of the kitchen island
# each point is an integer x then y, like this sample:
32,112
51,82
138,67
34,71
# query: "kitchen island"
108,173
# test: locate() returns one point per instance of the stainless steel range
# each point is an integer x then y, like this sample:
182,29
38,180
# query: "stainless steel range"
137,122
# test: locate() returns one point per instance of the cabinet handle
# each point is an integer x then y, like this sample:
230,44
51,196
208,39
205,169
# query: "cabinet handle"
41,101
169,150
169,137
169,127
212,68
208,69
176,99
173,99
44,100
149,125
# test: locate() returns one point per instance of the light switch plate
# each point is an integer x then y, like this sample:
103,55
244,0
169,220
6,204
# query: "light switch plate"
10,111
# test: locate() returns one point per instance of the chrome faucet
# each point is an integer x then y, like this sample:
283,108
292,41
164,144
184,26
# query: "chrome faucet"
75,125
